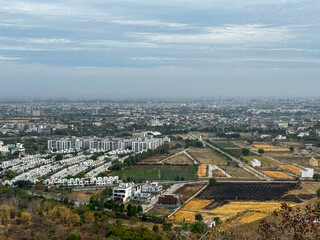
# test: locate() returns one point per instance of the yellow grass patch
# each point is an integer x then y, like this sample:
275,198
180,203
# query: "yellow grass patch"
196,204
186,216
202,171
268,147
277,174
291,168
251,217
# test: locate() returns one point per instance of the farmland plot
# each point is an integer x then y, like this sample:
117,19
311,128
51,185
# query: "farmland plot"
180,159
202,171
206,156
292,169
278,174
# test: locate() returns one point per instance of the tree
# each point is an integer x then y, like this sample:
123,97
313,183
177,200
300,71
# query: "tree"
291,149
250,141
73,236
212,181
261,151
198,217
198,227
292,223
166,226
316,176
155,228
318,193
59,157
245,151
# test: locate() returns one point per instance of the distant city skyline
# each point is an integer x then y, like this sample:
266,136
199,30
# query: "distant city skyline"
106,49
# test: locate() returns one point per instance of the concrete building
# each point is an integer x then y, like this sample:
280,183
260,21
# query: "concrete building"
307,173
153,187
169,199
255,163
123,192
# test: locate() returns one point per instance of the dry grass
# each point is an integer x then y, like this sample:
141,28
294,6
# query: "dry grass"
268,147
83,195
186,216
251,217
206,156
278,174
202,171
196,204
292,169
180,159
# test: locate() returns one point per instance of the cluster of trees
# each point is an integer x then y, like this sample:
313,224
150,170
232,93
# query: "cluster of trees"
193,143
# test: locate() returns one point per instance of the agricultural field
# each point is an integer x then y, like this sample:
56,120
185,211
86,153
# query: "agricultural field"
206,156
226,144
292,169
158,157
218,174
257,210
262,159
188,190
238,172
158,172
246,191
278,174
202,171
287,157
238,151
180,159
267,147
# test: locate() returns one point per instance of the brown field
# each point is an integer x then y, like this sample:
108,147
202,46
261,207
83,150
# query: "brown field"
206,156
180,159
83,195
186,216
188,190
160,211
202,171
158,157
218,173
278,174
237,172
292,169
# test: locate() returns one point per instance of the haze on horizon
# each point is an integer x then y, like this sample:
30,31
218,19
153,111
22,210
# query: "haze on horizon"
122,48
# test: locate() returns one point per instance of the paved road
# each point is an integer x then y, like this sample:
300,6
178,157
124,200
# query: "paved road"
240,163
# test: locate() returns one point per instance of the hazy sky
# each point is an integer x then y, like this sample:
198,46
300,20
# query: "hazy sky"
146,48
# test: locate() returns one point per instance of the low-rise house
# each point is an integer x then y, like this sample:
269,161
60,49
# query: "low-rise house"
153,187
123,192
307,173
210,223
255,163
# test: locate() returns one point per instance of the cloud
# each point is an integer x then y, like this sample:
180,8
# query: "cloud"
227,34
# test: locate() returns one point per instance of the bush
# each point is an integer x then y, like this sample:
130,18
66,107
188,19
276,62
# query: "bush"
212,181
73,236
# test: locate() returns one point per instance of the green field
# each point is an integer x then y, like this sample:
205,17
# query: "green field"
158,172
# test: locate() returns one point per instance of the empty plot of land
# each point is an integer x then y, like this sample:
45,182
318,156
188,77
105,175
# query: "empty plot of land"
238,172
246,191
225,144
82,195
206,156
268,147
158,157
292,169
238,151
278,174
180,159
188,190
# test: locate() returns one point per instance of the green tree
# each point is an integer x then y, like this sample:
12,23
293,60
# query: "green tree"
198,217
59,157
73,236
212,181
316,176
291,149
245,151
155,228
318,193
261,151
198,227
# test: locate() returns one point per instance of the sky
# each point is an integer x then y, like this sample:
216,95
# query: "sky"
168,48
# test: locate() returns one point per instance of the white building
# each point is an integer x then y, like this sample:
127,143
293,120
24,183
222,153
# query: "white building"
123,192
153,187
255,163
307,173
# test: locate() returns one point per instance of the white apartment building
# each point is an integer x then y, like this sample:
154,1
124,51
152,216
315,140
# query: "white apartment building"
123,192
